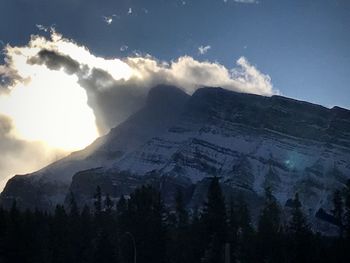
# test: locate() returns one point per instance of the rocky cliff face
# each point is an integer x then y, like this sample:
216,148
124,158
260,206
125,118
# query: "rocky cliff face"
251,142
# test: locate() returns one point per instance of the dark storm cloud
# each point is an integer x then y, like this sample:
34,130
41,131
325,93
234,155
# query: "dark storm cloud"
55,61
114,102
111,100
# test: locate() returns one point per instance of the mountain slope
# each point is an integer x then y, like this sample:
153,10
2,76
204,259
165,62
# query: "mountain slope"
250,141
48,186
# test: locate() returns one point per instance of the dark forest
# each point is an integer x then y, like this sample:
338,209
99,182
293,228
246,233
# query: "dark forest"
141,229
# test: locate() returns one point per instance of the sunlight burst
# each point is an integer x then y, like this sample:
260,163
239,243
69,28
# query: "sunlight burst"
51,108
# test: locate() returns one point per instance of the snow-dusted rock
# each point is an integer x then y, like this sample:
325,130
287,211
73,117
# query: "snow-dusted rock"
250,141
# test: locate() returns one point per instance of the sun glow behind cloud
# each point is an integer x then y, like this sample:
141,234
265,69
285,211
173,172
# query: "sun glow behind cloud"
57,86
57,97
51,108
49,105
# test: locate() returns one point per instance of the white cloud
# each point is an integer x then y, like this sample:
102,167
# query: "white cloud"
129,11
203,49
190,74
251,78
56,84
108,20
132,77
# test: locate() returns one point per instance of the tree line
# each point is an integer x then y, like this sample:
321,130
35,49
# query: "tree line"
140,228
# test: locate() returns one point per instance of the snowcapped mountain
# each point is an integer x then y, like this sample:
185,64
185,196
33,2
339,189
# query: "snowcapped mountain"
250,141
48,186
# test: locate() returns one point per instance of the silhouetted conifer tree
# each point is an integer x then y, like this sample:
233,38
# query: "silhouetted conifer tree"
60,245
140,224
85,249
105,251
98,200
145,221
108,204
246,234
300,234
338,210
269,226
181,212
179,247
73,207
347,212
214,220
233,229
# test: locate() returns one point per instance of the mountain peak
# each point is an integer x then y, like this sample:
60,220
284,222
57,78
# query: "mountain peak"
250,141
163,95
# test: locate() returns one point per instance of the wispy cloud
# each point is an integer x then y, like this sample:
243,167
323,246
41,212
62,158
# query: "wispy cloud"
104,79
251,78
48,73
109,19
203,49
42,27
109,80
124,48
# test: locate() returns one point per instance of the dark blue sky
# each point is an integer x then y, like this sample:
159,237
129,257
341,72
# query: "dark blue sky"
304,45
